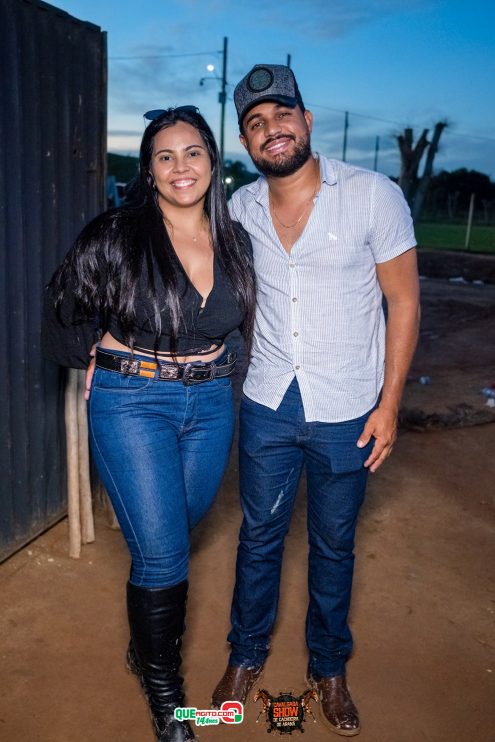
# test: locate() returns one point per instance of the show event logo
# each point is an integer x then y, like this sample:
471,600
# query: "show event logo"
230,712
286,712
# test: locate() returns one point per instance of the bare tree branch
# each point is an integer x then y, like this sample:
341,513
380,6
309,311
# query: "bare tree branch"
413,187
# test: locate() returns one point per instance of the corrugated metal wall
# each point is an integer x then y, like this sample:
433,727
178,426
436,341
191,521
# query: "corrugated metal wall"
52,175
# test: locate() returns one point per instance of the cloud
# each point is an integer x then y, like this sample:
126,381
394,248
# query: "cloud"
124,133
458,151
455,150
317,18
137,85
159,79
330,20
140,84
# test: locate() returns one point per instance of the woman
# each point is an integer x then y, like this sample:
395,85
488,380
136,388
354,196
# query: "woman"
165,280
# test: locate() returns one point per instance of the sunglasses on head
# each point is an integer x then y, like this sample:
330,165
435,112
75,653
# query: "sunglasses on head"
157,112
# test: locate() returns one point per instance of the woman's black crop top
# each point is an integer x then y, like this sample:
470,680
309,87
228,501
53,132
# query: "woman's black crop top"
67,340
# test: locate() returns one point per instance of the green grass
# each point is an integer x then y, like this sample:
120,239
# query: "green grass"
453,237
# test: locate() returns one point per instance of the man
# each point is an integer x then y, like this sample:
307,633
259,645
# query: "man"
325,378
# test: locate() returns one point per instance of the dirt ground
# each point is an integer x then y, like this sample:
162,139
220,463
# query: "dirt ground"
423,605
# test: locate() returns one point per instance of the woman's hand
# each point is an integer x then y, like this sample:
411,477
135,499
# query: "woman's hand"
89,372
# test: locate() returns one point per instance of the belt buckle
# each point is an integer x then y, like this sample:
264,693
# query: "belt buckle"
129,366
189,369
133,367
168,372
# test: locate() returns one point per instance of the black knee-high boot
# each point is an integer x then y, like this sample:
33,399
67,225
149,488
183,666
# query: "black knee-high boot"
156,620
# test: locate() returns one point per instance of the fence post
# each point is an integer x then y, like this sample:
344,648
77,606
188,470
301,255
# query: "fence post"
470,222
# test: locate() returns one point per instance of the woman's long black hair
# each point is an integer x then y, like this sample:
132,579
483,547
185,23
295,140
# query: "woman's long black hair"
103,269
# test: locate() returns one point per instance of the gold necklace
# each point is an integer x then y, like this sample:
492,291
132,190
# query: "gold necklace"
195,237
288,226
291,226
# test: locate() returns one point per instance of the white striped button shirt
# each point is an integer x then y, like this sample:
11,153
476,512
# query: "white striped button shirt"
319,309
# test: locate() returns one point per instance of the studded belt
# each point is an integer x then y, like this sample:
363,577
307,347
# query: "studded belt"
188,373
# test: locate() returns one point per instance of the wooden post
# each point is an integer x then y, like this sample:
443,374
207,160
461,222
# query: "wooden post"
71,435
470,222
85,497
80,501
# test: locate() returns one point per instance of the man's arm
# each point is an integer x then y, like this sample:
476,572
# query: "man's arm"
398,279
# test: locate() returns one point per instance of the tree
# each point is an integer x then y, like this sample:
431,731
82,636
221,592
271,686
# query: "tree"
450,192
239,173
123,167
415,187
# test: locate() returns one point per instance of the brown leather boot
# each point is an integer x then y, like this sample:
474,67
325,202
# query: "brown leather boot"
337,708
235,685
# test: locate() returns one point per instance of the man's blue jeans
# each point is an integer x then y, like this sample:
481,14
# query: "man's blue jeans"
274,446
161,449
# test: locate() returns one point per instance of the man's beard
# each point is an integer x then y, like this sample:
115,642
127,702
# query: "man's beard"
285,165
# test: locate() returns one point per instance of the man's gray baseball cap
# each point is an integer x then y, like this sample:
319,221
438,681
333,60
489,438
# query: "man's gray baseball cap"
266,82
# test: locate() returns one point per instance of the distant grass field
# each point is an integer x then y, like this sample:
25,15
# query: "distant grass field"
453,237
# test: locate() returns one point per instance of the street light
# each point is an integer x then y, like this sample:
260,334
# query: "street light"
229,186
210,68
222,96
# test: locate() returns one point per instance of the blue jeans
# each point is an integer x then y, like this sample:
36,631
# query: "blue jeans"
161,449
274,446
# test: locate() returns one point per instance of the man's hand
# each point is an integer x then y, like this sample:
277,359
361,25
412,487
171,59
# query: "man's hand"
89,373
382,424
